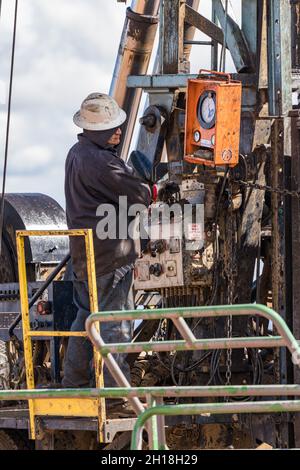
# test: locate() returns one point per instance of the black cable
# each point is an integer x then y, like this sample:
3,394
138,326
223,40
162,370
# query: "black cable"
257,371
197,363
221,194
172,367
8,122
214,364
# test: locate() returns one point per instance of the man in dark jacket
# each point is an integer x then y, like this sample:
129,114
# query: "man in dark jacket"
95,175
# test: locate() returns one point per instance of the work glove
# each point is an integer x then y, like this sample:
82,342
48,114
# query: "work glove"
168,192
141,165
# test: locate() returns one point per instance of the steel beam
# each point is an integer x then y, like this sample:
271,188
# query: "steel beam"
295,227
189,33
280,253
250,25
166,81
295,34
236,41
279,57
214,49
171,35
207,27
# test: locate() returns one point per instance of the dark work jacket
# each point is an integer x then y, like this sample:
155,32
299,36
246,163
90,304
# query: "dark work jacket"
93,176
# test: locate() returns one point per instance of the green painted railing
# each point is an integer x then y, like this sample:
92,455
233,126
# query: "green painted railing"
215,391
207,408
178,315
155,414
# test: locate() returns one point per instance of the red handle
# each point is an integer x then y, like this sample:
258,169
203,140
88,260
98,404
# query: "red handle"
213,72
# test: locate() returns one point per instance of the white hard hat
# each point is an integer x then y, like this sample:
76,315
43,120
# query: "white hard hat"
99,112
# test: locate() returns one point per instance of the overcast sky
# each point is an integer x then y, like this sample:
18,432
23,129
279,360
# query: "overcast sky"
65,50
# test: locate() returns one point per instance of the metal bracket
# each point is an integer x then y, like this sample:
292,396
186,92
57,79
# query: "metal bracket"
44,439
113,426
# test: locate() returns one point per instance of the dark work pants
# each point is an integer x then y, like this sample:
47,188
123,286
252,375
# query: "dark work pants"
78,367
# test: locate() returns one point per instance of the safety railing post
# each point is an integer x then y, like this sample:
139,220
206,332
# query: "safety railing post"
26,327
152,427
161,427
94,307
208,408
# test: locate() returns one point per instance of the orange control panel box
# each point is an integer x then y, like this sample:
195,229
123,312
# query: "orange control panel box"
213,120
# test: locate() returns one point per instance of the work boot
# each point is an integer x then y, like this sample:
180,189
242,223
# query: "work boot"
53,385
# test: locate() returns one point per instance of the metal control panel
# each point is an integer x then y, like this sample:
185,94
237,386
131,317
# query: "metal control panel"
179,252
161,266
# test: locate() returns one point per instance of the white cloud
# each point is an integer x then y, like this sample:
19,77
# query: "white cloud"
3,95
65,50
31,160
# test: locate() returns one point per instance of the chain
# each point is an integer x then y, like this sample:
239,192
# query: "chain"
228,373
230,232
260,187
231,255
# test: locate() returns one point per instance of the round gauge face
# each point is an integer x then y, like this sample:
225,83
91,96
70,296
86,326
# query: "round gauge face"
207,109
197,136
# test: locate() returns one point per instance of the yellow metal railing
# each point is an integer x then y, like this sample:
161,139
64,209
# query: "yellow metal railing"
59,407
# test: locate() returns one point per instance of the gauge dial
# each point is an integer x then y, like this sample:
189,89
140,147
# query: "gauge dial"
197,136
207,109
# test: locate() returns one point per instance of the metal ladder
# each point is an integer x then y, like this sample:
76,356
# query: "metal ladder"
91,407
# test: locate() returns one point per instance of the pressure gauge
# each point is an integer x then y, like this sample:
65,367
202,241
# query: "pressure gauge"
213,120
207,109
197,136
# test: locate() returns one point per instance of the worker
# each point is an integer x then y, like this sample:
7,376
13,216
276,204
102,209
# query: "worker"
95,175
